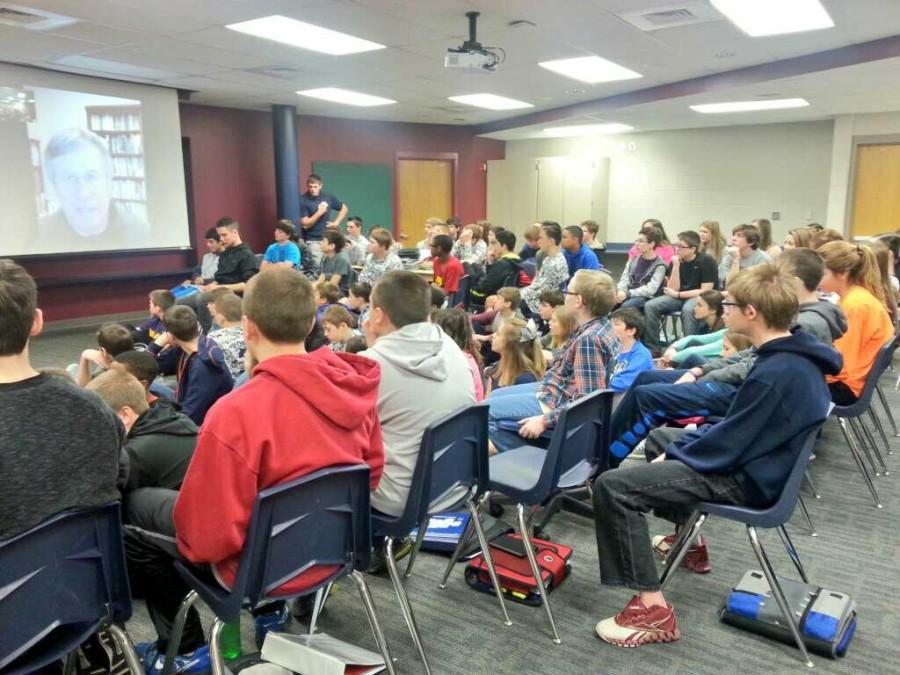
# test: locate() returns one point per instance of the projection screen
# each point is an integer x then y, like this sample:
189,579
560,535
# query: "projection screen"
88,165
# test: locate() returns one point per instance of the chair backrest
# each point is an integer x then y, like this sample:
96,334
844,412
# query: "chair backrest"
461,294
458,448
580,440
319,519
879,365
59,583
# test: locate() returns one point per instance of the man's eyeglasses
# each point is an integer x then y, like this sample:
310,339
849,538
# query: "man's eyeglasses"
728,303
571,293
680,245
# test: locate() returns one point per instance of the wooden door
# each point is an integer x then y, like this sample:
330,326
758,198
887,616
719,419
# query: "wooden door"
424,190
876,190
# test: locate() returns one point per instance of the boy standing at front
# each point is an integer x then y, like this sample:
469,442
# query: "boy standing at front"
745,459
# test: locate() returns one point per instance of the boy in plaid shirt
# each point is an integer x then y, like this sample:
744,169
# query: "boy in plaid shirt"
528,410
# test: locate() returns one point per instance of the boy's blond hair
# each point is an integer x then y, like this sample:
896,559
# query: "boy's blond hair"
118,390
771,292
597,291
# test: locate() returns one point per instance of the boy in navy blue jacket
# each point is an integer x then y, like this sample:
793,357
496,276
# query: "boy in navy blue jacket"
203,376
744,459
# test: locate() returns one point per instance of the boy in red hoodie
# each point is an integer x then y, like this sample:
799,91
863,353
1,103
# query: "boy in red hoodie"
249,440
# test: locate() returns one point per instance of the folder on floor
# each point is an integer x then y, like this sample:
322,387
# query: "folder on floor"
320,654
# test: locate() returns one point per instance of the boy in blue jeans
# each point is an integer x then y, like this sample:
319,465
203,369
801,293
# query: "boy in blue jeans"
745,459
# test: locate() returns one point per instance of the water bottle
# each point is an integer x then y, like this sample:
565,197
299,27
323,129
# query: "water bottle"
230,640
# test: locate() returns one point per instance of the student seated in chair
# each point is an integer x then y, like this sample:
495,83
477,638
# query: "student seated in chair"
160,441
59,445
584,367
744,459
250,442
203,376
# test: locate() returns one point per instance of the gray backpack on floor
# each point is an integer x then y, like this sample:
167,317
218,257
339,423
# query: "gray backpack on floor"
827,618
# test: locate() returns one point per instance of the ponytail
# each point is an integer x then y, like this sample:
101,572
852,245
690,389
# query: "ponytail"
858,261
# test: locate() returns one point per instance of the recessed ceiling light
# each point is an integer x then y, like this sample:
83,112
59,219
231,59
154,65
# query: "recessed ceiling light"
775,17
590,69
586,130
491,101
305,35
337,95
750,106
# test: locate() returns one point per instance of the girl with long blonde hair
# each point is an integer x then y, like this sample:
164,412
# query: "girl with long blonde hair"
521,358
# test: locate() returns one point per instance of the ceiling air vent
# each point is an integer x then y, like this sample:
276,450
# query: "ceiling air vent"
20,16
671,16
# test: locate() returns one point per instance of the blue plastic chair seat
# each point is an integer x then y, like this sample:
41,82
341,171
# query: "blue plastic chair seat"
517,470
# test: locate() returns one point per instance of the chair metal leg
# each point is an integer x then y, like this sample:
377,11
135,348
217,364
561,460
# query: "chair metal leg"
792,552
880,428
124,641
178,631
216,662
777,592
872,444
859,463
688,533
369,606
405,607
318,604
420,537
887,410
805,512
475,518
853,423
457,552
812,486
535,570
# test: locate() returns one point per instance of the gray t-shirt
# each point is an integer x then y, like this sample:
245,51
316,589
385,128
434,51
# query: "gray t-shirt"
59,450
755,257
338,264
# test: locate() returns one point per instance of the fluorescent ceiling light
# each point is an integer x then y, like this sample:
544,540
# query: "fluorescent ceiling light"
750,106
491,101
591,69
775,17
305,35
586,130
345,96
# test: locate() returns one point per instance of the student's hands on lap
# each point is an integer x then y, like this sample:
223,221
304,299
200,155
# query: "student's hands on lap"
671,292
532,427
690,376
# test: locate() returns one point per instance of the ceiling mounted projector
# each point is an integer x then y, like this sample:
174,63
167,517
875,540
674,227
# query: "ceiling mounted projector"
471,54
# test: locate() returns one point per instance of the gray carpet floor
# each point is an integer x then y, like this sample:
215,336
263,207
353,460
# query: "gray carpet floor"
857,552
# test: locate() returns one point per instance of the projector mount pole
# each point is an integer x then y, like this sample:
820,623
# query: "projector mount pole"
472,43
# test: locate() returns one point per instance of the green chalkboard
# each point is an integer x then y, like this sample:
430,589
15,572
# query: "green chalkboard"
366,189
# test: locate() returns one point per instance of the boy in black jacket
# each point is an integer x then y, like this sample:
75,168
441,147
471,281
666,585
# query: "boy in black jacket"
744,459
504,271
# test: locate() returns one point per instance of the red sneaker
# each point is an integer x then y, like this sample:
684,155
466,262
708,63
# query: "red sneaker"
696,559
637,625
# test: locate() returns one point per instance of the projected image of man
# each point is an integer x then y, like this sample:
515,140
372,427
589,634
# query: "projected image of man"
79,169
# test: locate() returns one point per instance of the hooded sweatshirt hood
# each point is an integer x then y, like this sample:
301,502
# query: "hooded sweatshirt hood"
418,349
822,319
826,358
343,387
162,418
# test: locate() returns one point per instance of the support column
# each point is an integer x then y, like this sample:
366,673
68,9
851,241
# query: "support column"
287,161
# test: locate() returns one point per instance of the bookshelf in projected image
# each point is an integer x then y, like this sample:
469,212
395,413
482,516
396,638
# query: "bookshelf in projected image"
121,127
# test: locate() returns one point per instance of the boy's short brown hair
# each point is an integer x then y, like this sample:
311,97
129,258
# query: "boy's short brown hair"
512,295
229,305
803,263
750,233
162,299
773,293
181,323
330,292
336,315
142,365
403,296
115,338
281,303
361,290
532,232
118,389
597,291
18,304
382,237
552,297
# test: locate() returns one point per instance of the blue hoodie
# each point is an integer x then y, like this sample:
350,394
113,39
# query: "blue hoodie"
585,259
203,377
761,436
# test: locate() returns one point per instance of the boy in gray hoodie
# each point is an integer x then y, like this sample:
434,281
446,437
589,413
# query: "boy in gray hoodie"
424,377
